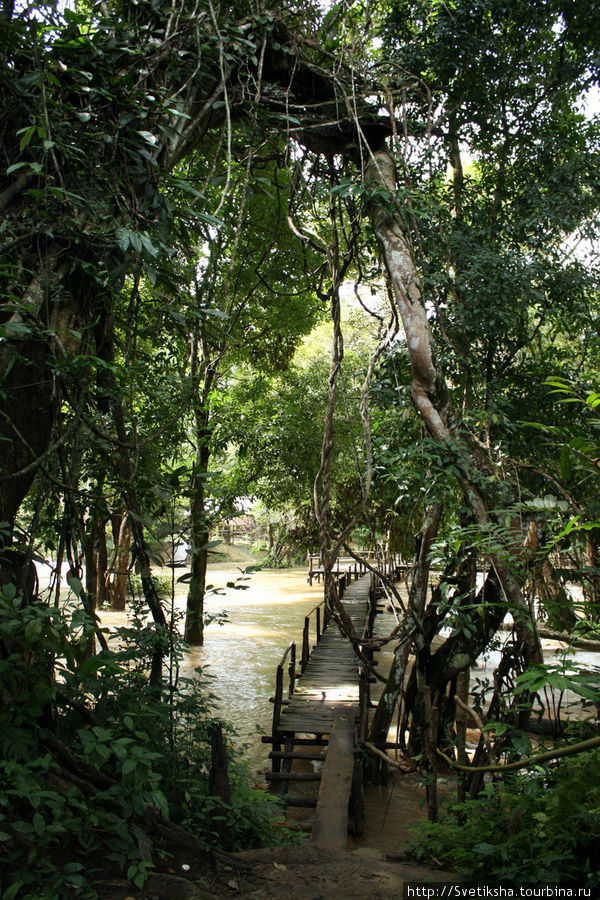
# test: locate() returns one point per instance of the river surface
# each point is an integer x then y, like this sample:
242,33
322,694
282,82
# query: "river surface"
243,653
264,613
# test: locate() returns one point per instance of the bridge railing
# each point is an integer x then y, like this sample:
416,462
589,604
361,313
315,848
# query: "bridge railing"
390,565
277,699
343,565
321,621
316,621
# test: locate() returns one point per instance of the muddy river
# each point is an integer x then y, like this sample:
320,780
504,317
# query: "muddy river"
242,654
264,613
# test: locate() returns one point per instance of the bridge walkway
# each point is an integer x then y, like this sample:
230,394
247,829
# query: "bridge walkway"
319,720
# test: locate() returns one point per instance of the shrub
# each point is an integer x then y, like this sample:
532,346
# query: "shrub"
542,826
92,755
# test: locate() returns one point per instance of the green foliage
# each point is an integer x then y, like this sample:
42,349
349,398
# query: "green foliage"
87,760
564,677
541,827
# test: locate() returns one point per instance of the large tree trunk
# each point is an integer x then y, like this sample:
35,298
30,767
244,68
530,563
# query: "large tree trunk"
55,308
27,410
428,387
412,626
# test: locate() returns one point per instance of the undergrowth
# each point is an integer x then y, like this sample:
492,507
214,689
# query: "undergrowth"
94,760
540,827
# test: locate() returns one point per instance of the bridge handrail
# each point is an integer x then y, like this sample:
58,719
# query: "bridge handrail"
278,701
290,651
318,631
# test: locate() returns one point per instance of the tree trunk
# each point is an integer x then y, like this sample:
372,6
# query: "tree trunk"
119,570
219,786
461,649
131,499
428,387
553,597
591,583
27,410
411,627
102,567
200,533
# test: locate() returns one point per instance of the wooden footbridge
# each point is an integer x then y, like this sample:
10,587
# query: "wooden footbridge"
354,566
320,707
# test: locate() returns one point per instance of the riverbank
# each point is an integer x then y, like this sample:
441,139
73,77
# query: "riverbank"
278,873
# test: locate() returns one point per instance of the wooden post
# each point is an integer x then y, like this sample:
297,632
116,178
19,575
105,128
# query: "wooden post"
429,731
305,645
277,703
462,691
330,831
218,784
292,671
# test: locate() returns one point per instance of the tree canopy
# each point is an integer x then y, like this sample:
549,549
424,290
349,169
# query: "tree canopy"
187,191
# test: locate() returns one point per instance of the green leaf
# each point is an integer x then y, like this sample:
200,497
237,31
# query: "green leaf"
75,585
27,135
123,238
23,84
149,137
148,245
178,113
129,766
11,892
9,592
208,218
565,463
33,630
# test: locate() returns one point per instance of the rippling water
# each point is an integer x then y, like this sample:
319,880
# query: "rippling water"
244,652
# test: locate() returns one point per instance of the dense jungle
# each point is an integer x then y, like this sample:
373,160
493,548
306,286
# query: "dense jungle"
328,276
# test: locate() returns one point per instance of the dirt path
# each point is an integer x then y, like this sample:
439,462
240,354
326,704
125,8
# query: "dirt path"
310,874
371,869
282,873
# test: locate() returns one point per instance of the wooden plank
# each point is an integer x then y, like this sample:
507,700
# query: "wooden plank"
308,802
300,742
330,831
298,754
293,776
326,693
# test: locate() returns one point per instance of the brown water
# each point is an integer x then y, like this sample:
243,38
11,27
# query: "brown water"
243,653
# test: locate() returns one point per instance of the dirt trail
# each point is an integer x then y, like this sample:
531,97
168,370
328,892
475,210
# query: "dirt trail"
283,873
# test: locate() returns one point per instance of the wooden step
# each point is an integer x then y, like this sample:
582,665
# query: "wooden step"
297,754
308,802
301,742
293,776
